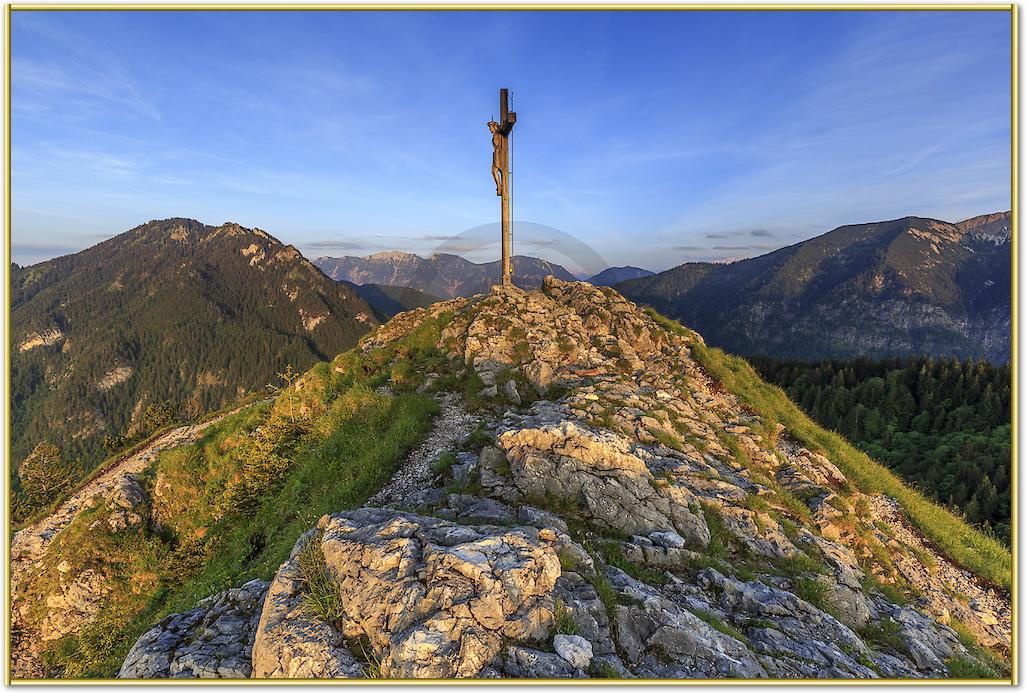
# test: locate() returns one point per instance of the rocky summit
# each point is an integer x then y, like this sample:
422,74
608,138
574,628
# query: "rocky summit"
602,502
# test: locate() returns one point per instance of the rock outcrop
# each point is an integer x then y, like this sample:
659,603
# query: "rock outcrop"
437,599
214,640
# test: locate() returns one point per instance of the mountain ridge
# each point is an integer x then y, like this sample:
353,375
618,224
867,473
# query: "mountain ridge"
901,287
441,274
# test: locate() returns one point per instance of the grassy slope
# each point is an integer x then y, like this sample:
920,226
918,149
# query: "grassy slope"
956,538
230,506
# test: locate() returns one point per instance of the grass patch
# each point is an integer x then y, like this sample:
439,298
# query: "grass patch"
813,591
612,554
322,596
962,667
443,462
479,438
997,664
884,635
603,670
564,620
721,626
720,538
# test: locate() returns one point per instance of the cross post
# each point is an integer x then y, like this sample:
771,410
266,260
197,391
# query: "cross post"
501,174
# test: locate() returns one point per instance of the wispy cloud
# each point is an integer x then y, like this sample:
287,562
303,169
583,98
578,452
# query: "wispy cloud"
335,244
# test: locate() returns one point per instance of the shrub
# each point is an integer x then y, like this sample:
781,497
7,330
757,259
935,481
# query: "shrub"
158,416
444,462
45,476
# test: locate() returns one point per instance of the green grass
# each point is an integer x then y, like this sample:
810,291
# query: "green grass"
322,596
443,462
884,635
564,620
603,670
612,553
721,626
962,667
964,544
813,591
994,665
720,538
345,448
478,438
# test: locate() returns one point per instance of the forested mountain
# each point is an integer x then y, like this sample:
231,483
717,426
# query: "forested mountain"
388,300
171,310
441,274
942,424
906,287
615,275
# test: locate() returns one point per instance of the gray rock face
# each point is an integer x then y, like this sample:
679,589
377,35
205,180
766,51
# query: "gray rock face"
605,473
664,640
527,663
214,640
293,642
432,598
574,649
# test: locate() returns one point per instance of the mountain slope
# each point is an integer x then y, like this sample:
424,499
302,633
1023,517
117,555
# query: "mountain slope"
388,300
615,275
170,310
633,503
909,286
441,274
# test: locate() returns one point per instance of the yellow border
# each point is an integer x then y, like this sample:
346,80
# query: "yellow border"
616,6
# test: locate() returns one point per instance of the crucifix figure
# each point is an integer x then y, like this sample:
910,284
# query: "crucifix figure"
500,174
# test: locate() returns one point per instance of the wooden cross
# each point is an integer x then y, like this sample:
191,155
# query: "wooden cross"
500,173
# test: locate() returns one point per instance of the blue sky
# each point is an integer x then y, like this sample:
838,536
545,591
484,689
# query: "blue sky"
654,138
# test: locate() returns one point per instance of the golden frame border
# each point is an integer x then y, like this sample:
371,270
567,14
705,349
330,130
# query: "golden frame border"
1012,8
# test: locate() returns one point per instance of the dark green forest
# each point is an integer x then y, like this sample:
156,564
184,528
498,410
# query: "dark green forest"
942,424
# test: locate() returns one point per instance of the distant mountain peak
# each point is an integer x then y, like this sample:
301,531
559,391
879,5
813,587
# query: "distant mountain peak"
615,275
442,274
391,255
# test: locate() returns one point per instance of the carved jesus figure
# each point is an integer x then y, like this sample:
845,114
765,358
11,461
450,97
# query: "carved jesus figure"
498,165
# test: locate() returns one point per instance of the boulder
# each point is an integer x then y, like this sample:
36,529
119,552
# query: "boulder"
574,649
431,598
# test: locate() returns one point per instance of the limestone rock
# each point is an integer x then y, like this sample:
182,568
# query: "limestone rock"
574,649
432,598
213,640
603,472
292,642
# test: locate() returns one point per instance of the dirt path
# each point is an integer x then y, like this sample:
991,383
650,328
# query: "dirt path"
451,426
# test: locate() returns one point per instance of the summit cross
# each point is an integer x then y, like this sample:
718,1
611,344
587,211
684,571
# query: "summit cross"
501,174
